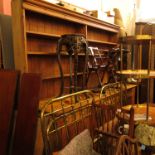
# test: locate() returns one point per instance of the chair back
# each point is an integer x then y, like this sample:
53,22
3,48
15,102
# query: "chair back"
110,115
128,146
65,117
126,121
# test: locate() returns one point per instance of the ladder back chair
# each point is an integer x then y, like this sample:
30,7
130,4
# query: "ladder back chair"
119,145
128,146
112,120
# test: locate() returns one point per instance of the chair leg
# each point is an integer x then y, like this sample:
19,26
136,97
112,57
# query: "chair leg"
87,79
99,79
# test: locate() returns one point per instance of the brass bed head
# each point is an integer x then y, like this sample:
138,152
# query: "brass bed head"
65,117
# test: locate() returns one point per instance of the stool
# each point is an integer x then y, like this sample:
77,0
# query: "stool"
73,46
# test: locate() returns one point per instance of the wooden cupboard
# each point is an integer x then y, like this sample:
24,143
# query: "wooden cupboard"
37,26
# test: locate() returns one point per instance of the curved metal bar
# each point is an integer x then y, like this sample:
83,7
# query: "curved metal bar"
75,44
59,65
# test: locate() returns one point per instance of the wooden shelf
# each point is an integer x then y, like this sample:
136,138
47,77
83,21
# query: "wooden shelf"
50,53
56,77
40,25
138,74
40,34
137,39
102,42
53,10
41,53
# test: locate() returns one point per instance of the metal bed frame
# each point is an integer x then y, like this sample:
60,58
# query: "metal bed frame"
65,117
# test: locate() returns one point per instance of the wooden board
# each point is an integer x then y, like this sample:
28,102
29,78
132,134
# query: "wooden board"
6,41
27,114
8,84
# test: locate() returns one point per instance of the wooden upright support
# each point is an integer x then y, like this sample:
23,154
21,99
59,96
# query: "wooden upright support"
27,114
8,85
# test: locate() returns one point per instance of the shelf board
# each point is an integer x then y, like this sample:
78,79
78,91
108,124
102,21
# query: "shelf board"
66,53
42,34
137,39
50,53
101,42
50,77
138,74
63,53
58,76
40,53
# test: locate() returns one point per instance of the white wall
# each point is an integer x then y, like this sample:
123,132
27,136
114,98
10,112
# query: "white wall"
87,4
131,10
146,11
126,7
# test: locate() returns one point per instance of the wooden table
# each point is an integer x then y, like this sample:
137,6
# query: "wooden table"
138,74
145,129
141,109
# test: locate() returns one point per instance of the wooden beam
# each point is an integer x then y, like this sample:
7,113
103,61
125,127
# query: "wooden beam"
27,115
8,84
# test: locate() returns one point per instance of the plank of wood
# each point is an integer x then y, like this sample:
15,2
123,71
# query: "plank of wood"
6,41
27,114
8,85
1,60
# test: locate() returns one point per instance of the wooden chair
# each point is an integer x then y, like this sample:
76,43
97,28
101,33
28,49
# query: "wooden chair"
112,120
116,121
119,145
111,125
110,112
128,146
63,118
